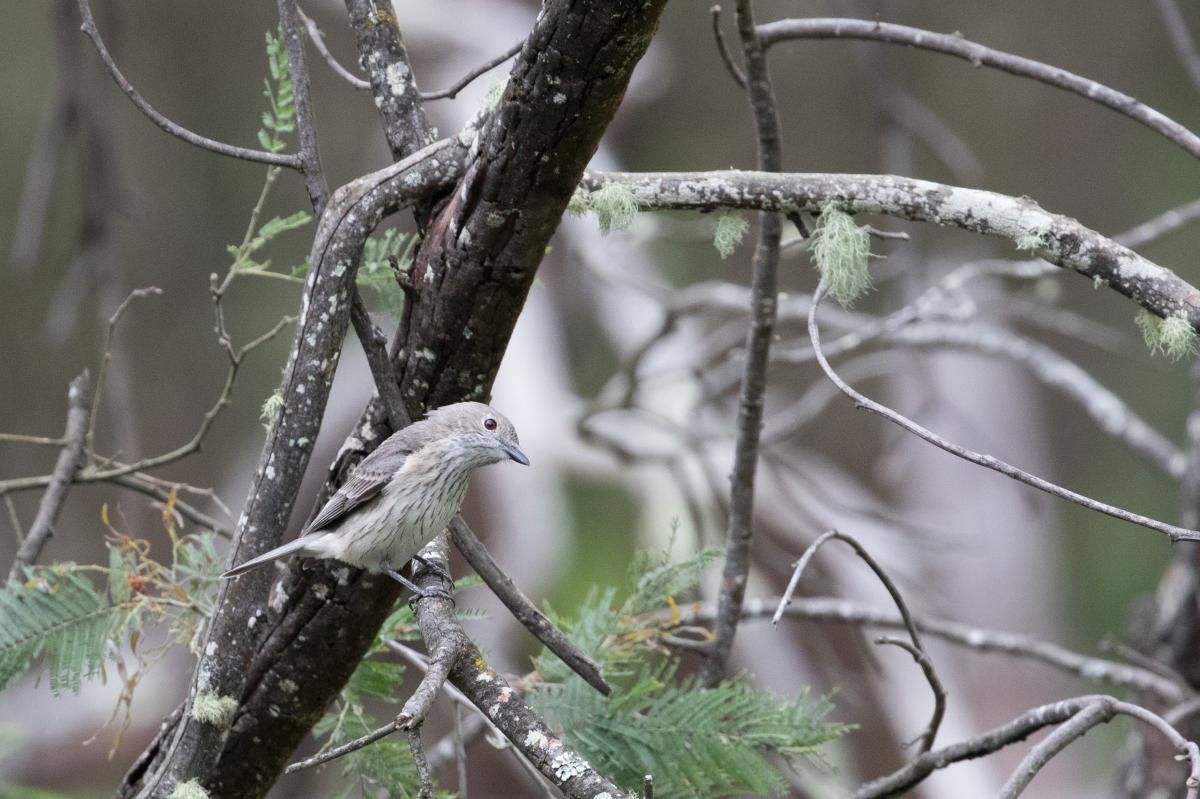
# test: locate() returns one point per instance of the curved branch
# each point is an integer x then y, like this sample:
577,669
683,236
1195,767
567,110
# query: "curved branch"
244,153
79,406
452,91
1172,531
979,55
1055,238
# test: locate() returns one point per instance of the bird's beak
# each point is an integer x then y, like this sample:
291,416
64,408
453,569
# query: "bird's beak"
516,454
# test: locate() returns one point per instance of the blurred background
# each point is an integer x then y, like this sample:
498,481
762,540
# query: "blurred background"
128,206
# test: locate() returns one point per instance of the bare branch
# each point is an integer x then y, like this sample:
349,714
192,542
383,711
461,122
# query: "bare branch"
522,609
735,71
78,405
1017,730
1074,728
1177,29
1173,532
763,298
1061,241
1153,229
246,154
306,126
917,650
421,762
462,83
318,40
979,55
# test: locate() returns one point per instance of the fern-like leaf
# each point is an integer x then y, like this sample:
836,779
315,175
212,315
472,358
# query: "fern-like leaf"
57,613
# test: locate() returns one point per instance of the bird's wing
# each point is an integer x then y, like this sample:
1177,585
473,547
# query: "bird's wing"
366,481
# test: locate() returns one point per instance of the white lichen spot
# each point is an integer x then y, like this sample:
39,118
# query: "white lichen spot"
339,270
568,765
300,389
483,676
192,789
396,73
320,591
211,649
288,686
271,469
536,738
559,98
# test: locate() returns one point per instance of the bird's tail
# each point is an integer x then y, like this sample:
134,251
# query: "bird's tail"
300,544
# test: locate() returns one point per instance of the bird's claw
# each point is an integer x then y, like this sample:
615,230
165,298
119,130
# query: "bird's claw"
419,593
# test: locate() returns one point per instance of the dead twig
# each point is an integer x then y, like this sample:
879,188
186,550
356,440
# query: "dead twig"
78,405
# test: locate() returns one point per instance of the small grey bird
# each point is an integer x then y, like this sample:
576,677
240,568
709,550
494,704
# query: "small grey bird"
405,492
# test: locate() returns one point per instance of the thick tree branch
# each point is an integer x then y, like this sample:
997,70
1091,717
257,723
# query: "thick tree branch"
79,406
235,637
978,55
1058,239
384,59
475,268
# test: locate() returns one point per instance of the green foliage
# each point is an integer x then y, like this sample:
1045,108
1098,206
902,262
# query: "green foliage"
264,235
280,118
1173,337
60,614
728,232
841,250
697,743
376,272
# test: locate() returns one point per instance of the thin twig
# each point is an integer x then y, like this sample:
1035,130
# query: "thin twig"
979,55
979,639
306,126
318,40
1181,39
465,80
14,520
1153,229
723,49
422,764
935,683
1062,737
917,649
522,609
106,360
764,291
78,405
460,752
143,485
648,786
1019,729
1173,532
344,749
244,153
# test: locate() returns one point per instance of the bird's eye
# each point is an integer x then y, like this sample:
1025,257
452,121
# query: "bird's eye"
489,423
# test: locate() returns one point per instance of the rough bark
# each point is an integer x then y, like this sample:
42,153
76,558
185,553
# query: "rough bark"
473,273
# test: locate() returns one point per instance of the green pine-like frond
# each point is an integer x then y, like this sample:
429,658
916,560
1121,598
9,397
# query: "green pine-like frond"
698,743
57,613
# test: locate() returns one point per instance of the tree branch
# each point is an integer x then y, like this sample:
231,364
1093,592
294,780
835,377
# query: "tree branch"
763,298
1062,241
522,609
1174,532
452,91
979,55
246,154
79,406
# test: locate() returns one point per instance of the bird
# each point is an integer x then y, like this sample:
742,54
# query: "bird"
404,493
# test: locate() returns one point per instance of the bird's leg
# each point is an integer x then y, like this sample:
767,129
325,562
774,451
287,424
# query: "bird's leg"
417,591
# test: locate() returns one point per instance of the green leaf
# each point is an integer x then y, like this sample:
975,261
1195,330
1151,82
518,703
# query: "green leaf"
60,615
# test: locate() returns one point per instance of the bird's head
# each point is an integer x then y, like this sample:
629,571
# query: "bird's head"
478,432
